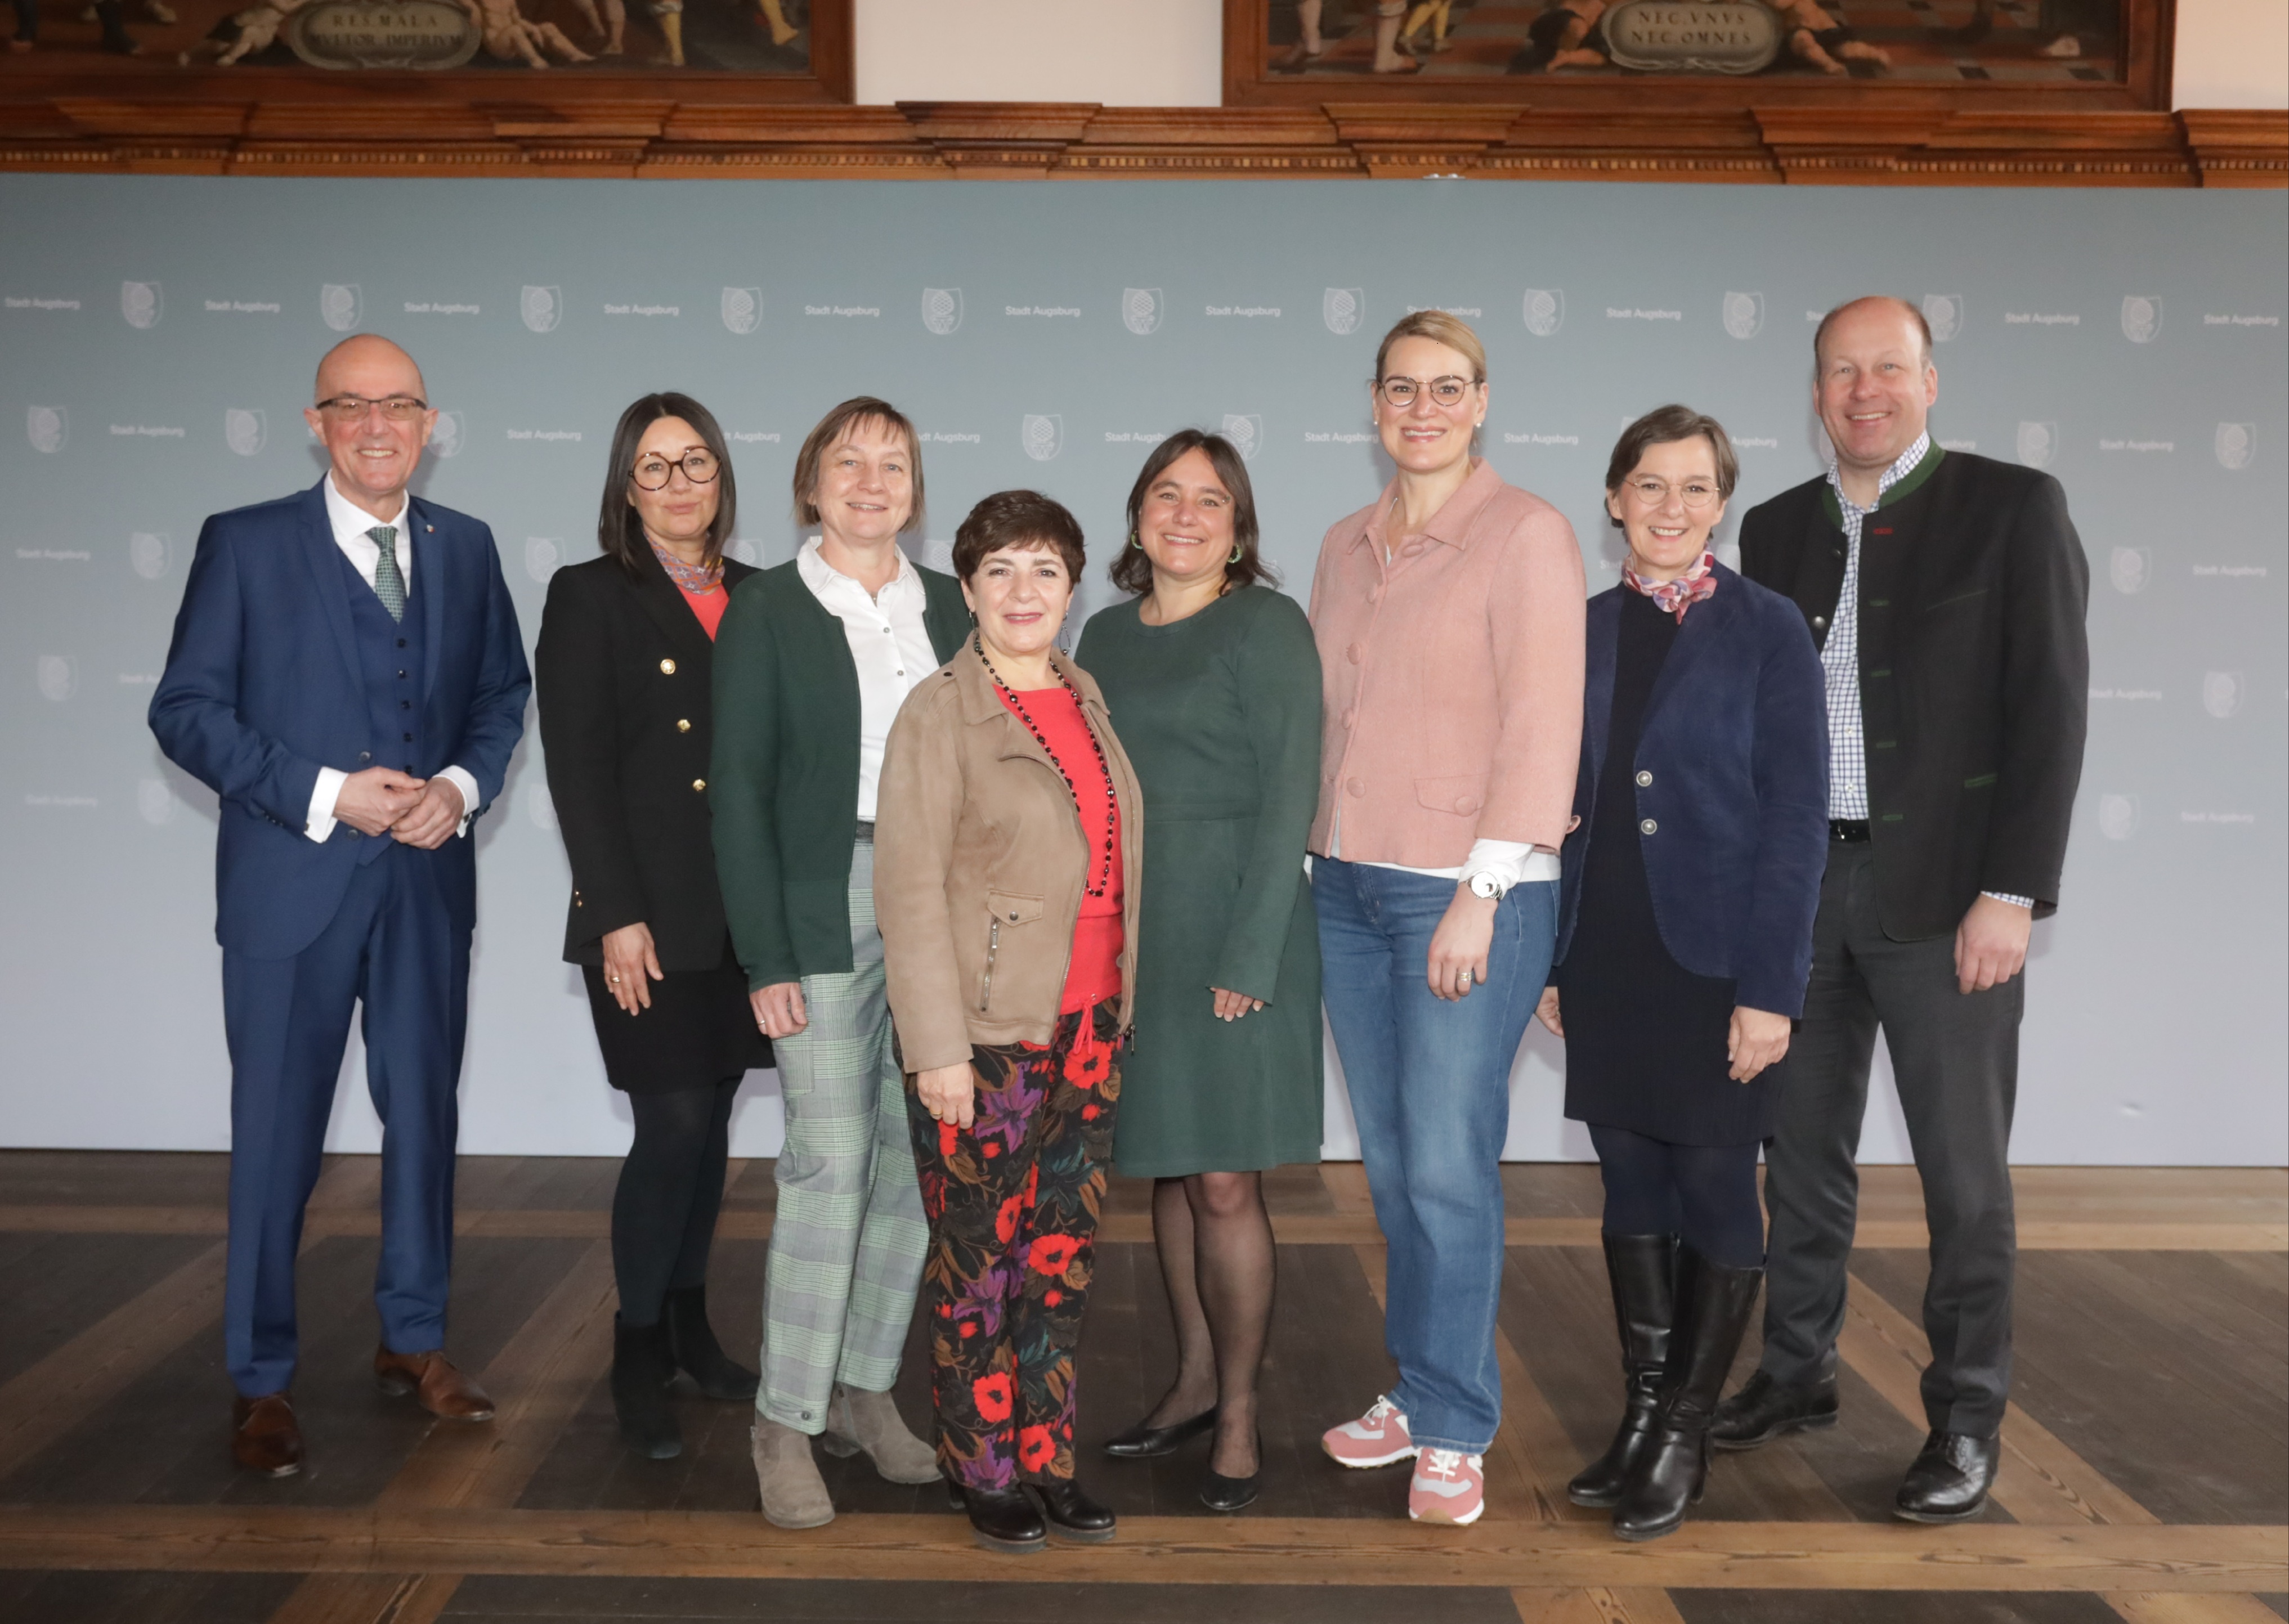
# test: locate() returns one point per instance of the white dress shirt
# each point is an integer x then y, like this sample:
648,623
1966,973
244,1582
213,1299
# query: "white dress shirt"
889,646
350,523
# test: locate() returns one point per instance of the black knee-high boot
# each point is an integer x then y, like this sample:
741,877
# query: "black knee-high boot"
1713,1304
1642,1271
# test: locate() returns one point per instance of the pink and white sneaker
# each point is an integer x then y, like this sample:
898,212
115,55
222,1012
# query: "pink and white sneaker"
1448,1486
1377,1438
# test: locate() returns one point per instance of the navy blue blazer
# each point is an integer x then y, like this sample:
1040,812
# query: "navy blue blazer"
1732,768
263,688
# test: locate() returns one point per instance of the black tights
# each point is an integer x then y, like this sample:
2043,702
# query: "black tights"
1214,1242
671,1188
1705,1194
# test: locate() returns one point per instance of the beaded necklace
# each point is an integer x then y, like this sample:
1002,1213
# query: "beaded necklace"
1104,878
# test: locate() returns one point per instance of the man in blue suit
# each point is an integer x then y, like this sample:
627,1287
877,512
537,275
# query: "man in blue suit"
347,674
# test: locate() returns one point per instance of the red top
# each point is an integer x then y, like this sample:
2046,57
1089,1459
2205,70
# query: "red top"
709,607
1095,973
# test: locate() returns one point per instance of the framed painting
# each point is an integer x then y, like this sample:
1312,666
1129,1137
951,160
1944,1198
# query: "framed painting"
1703,53
170,50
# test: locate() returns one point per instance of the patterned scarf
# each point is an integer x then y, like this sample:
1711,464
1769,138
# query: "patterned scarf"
697,579
1675,597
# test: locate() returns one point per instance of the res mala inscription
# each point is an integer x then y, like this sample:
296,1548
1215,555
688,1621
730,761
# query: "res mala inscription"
352,34
1727,36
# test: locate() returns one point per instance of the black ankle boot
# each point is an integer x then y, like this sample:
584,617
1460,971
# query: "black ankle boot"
1642,1270
642,1369
1714,1305
692,1346
1072,1514
1001,1520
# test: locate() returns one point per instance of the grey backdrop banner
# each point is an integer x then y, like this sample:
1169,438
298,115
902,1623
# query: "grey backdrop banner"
158,339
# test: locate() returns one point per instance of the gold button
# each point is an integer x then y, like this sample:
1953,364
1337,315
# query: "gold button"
699,784
683,724
667,668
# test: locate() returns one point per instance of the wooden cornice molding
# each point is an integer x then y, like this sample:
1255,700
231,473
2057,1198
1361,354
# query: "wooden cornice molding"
584,130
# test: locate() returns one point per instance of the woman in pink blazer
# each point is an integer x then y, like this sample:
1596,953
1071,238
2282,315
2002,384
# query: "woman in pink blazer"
1449,622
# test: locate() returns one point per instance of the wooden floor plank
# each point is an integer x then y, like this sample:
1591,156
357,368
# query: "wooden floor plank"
2040,1480
1570,1606
2161,1607
43,1402
1638,1606
1155,1550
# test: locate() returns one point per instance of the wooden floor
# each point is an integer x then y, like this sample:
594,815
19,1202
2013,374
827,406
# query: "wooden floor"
2146,1473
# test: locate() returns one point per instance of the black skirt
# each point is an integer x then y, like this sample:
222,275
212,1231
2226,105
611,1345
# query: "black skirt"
699,1032
1645,1037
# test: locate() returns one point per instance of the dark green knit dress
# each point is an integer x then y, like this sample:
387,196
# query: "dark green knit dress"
1220,715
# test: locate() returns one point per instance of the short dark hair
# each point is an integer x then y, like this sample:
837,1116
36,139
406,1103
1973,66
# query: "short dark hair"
858,408
1661,426
1913,313
1025,520
1132,570
620,532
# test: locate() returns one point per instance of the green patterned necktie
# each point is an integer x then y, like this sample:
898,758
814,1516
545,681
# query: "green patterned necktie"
388,580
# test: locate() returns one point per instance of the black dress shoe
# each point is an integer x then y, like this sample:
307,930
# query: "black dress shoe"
1950,1480
1219,1493
1765,1409
1072,1515
1144,1441
1003,1519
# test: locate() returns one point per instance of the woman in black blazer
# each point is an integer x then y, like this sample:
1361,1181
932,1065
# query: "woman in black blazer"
1684,940
624,674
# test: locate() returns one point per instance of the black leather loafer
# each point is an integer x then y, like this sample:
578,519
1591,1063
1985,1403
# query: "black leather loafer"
1765,1409
1143,1441
1002,1520
1072,1515
1950,1480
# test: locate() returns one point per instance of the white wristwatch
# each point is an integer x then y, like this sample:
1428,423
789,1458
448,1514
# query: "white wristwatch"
1486,884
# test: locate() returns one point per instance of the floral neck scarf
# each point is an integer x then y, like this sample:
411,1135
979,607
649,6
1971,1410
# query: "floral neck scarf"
697,579
1675,597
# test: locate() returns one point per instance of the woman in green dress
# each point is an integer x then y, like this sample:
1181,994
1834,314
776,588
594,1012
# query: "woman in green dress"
1214,683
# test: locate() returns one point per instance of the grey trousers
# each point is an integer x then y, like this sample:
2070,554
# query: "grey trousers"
1955,1056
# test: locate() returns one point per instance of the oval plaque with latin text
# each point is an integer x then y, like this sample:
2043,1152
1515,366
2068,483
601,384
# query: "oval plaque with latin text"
1711,36
383,34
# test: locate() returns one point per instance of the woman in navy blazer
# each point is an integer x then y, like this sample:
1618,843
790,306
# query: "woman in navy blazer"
1691,875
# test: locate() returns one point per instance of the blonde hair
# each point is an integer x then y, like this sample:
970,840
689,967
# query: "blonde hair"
1439,328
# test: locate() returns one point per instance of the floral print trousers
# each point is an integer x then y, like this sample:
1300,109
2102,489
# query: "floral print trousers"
1012,1203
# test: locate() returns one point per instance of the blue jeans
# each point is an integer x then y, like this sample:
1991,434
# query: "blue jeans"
1430,1089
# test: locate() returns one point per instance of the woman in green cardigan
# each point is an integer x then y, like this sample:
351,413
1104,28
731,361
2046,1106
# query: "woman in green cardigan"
1212,677
812,662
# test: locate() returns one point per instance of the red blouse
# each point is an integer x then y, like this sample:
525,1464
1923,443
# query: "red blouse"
1094,974
709,607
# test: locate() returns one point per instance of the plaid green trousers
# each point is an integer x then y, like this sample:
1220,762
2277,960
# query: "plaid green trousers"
848,1242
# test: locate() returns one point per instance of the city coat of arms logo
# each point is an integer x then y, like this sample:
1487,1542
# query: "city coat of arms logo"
1545,311
2141,317
2038,444
59,676
1140,310
451,434
244,431
1943,314
942,310
541,307
1342,309
2117,817
150,551
2131,569
1744,315
1245,430
139,302
743,309
2235,443
1043,436
341,305
47,427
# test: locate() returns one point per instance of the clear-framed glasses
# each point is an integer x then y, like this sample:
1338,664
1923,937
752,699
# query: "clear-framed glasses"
653,472
1448,390
1651,493
353,408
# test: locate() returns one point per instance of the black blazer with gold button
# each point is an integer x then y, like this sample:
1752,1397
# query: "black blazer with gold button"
625,674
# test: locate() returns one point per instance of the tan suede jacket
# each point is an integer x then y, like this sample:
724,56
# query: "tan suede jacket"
979,864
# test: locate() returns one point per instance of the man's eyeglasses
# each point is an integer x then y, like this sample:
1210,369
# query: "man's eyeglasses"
653,473
1402,392
1651,493
353,408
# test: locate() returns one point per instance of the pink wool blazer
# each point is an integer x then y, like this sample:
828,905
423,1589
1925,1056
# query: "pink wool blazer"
1452,678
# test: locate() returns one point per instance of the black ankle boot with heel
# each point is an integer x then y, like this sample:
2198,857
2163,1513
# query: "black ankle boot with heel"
692,1346
1642,1271
642,1369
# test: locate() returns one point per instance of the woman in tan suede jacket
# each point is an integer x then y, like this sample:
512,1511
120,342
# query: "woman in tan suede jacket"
1008,851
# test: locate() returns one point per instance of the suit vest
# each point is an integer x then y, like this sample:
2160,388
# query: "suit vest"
390,658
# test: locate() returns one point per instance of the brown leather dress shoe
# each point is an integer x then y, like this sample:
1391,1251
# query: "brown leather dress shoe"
432,1377
265,1437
